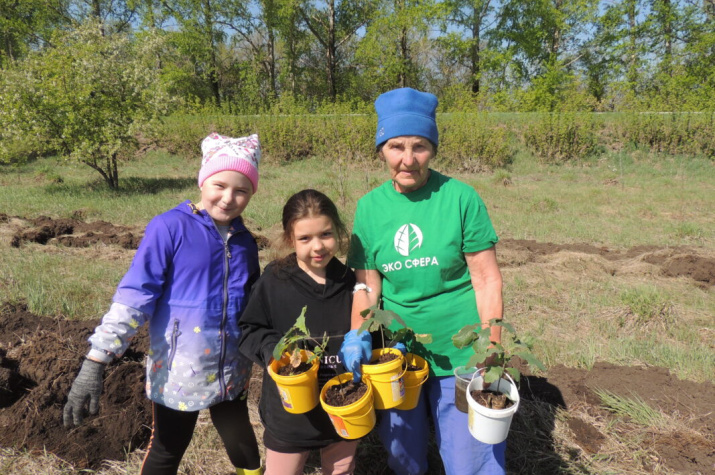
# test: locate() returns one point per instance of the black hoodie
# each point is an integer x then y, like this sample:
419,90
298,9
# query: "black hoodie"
274,305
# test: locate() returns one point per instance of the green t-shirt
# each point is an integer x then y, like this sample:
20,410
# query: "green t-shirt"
417,242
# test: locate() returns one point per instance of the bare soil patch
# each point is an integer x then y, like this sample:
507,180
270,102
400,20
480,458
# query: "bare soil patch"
75,232
690,448
39,358
692,263
70,232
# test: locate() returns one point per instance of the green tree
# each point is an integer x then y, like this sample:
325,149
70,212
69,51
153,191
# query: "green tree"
334,23
150,13
201,37
699,54
256,40
614,59
465,45
393,52
678,32
26,25
114,15
85,99
293,45
544,37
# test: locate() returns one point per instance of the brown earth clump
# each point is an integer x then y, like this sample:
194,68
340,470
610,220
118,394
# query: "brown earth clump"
39,359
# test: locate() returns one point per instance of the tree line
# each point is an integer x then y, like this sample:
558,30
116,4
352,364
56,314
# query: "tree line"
246,56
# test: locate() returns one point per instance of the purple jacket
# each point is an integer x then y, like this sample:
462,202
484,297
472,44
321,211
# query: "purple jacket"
192,288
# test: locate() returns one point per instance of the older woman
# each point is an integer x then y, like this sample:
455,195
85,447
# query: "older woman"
423,245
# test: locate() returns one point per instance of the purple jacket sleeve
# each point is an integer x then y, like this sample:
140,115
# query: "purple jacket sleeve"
143,284
136,295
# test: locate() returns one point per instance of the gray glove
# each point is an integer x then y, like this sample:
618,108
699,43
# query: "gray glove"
87,385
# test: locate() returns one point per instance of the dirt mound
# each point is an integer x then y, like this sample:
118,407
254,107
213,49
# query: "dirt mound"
669,262
39,358
79,233
70,232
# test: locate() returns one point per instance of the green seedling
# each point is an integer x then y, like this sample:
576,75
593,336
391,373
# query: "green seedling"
494,356
296,336
380,319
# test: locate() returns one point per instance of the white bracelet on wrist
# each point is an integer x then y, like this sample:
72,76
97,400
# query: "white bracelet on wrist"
361,286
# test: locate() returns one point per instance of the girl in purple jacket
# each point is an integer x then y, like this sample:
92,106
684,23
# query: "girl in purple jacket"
189,280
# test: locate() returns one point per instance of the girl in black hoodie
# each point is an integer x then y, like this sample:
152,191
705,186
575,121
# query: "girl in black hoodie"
310,276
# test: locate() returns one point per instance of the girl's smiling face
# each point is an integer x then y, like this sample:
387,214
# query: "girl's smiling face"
315,245
224,195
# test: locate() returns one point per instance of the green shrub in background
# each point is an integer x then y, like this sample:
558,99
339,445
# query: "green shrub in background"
473,142
690,133
284,137
181,134
704,133
561,137
468,142
18,150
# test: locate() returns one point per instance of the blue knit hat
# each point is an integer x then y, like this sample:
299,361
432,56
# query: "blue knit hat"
406,111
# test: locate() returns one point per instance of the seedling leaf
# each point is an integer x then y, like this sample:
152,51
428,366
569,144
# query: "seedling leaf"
465,336
289,342
494,357
377,319
506,325
295,359
424,338
531,360
514,373
492,374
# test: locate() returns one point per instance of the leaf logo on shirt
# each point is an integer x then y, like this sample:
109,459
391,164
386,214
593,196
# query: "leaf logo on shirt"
407,239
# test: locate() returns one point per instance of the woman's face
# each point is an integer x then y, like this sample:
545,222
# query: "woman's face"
408,158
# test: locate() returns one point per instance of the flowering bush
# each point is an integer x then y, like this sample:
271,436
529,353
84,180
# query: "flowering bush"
87,98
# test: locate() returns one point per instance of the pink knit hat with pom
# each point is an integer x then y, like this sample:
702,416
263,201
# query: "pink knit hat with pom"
222,153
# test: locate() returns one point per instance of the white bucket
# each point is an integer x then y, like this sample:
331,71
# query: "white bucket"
491,426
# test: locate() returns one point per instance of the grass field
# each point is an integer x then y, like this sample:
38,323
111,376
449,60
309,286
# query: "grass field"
576,307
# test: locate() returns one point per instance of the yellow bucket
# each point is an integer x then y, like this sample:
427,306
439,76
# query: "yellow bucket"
413,381
299,393
386,379
352,421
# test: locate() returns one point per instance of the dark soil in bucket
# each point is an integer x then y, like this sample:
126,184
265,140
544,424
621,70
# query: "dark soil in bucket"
384,358
345,394
491,399
410,364
289,370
